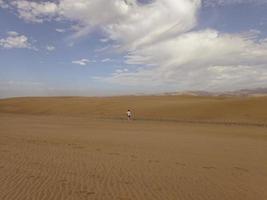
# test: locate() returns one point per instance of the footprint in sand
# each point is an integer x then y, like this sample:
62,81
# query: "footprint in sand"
93,176
127,183
241,169
114,154
133,156
63,183
72,173
31,177
75,146
158,189
208,167
180,164
78,147
85,193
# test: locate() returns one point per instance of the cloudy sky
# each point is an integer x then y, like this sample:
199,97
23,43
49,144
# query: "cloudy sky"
104,47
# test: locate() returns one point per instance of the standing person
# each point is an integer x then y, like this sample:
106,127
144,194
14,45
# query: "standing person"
129,115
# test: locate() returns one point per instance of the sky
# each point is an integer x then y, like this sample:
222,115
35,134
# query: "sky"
103,47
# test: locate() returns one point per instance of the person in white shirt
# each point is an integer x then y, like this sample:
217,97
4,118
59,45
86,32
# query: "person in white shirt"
129,115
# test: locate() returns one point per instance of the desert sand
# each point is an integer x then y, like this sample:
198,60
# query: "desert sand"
178,147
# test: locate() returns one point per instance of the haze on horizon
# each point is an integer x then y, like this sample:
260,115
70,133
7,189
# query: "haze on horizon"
101,47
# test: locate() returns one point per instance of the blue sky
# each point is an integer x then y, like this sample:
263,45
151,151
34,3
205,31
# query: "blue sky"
100,47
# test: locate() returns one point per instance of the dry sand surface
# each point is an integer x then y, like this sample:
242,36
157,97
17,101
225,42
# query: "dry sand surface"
79,148
183,108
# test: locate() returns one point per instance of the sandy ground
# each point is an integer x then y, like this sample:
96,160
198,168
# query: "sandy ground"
179,108
76,157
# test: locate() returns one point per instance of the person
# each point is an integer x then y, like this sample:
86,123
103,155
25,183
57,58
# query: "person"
129,115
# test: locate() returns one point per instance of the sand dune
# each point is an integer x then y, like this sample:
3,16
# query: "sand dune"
232,109
78,148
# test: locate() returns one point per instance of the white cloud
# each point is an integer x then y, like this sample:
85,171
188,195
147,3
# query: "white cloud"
14,40
125,21
213,3
82,62
50,48
102,49
104,40
158,38
60,30
119,71
12,33
35,11
106,60
198,60
128,22
3,4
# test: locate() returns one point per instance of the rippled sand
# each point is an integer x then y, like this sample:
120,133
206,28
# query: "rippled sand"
62,157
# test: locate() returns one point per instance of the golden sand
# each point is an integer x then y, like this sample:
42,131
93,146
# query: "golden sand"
79,148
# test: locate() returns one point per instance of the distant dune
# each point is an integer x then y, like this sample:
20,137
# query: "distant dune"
183,108
235,93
